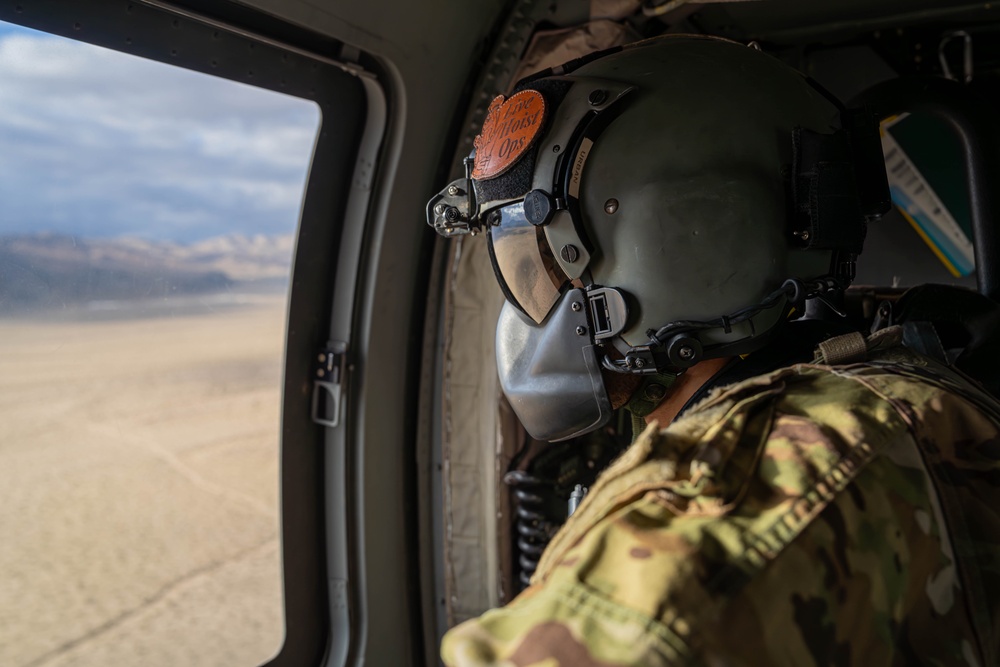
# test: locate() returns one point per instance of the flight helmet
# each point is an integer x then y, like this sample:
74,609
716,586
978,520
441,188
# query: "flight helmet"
656,205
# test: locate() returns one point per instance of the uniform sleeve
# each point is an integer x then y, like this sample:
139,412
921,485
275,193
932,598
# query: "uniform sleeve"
791,522
560,625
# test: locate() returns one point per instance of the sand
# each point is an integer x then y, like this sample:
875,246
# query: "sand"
139,488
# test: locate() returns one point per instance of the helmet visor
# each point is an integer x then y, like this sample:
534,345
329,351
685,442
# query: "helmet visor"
524,264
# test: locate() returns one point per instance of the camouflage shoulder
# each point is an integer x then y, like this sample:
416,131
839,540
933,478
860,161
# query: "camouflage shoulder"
705,460
740,529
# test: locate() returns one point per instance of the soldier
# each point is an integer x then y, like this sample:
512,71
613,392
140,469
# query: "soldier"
683,215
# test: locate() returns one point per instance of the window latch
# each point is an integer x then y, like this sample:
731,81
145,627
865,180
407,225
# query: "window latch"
328,384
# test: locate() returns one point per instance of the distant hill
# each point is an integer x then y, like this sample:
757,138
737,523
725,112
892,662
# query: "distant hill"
51,270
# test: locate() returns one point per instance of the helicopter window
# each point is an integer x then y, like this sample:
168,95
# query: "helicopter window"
147,222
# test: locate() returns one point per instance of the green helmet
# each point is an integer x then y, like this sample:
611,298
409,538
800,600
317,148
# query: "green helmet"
654,206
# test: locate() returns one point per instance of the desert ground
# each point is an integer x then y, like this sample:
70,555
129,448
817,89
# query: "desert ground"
139,486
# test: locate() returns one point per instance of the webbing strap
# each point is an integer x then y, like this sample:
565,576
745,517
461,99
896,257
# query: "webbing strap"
853,347
846,349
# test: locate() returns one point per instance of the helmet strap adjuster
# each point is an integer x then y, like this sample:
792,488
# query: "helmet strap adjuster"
682,344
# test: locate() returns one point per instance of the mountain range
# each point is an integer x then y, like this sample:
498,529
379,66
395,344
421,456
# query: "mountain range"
52,270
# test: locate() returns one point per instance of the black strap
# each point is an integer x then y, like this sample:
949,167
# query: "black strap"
826,206
837,183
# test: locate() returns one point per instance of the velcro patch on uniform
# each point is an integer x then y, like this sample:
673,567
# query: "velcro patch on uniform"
511,127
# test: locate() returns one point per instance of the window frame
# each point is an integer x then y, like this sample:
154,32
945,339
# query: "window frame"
237,43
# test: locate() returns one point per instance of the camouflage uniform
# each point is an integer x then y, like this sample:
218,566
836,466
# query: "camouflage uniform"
815,515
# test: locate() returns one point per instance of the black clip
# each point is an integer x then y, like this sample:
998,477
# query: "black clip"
328,384
452,212
640,360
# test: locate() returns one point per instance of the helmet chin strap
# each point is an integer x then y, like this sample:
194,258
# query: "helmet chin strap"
683,343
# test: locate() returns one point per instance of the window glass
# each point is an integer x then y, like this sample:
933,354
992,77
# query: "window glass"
147,220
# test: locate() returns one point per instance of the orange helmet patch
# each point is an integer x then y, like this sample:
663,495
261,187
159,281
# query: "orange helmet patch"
511,127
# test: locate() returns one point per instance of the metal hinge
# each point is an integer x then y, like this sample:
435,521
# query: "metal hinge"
328,383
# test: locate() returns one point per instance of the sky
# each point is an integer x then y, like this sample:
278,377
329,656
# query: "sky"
100,144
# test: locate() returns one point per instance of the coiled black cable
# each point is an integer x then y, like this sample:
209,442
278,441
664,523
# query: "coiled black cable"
532,528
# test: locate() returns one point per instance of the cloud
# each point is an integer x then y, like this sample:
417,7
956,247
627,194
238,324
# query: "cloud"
99,143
